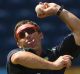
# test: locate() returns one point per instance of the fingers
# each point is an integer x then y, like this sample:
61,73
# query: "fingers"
63,61
46,5
45,12
43,3
67,60
42,6
67,57
40,3
45,9
67,63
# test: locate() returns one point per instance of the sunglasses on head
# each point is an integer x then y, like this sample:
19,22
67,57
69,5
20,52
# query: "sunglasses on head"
21,34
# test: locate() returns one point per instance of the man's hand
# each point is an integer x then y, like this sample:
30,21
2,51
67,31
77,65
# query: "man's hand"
63,61
46,9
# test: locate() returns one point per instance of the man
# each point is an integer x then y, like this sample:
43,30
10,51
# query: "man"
31,58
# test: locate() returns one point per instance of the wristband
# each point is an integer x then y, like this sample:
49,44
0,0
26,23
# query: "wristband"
60,10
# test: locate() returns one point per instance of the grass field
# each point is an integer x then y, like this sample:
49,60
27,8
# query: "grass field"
73,70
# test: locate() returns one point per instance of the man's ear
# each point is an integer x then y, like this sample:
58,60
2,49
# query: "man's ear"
18,44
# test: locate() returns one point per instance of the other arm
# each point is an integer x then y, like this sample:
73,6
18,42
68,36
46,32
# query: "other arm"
69,19
30,60
73,23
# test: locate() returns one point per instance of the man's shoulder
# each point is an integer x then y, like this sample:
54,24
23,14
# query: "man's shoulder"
69,36
12,52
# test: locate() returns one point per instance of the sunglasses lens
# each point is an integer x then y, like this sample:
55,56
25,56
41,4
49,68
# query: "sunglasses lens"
22,34
28,30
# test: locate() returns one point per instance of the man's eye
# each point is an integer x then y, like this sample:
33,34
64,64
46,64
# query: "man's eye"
22,35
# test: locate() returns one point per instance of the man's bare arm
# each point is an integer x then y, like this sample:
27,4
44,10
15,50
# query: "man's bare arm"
72,21
30,60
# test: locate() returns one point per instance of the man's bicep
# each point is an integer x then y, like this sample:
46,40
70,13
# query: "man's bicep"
77,38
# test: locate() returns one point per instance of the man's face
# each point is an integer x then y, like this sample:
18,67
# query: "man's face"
28,37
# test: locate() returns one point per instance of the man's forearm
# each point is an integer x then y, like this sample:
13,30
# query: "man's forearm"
73,23
71,20
31,60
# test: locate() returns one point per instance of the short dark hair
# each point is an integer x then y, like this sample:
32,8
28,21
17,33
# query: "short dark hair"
25,22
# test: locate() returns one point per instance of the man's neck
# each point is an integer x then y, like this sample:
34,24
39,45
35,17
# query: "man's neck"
39,52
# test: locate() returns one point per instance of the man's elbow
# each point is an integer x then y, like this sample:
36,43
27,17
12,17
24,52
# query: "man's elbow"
15,58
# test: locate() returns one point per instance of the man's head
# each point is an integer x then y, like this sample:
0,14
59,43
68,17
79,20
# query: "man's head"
27,34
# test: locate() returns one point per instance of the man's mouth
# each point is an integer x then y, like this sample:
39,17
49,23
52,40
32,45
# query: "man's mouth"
31,43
